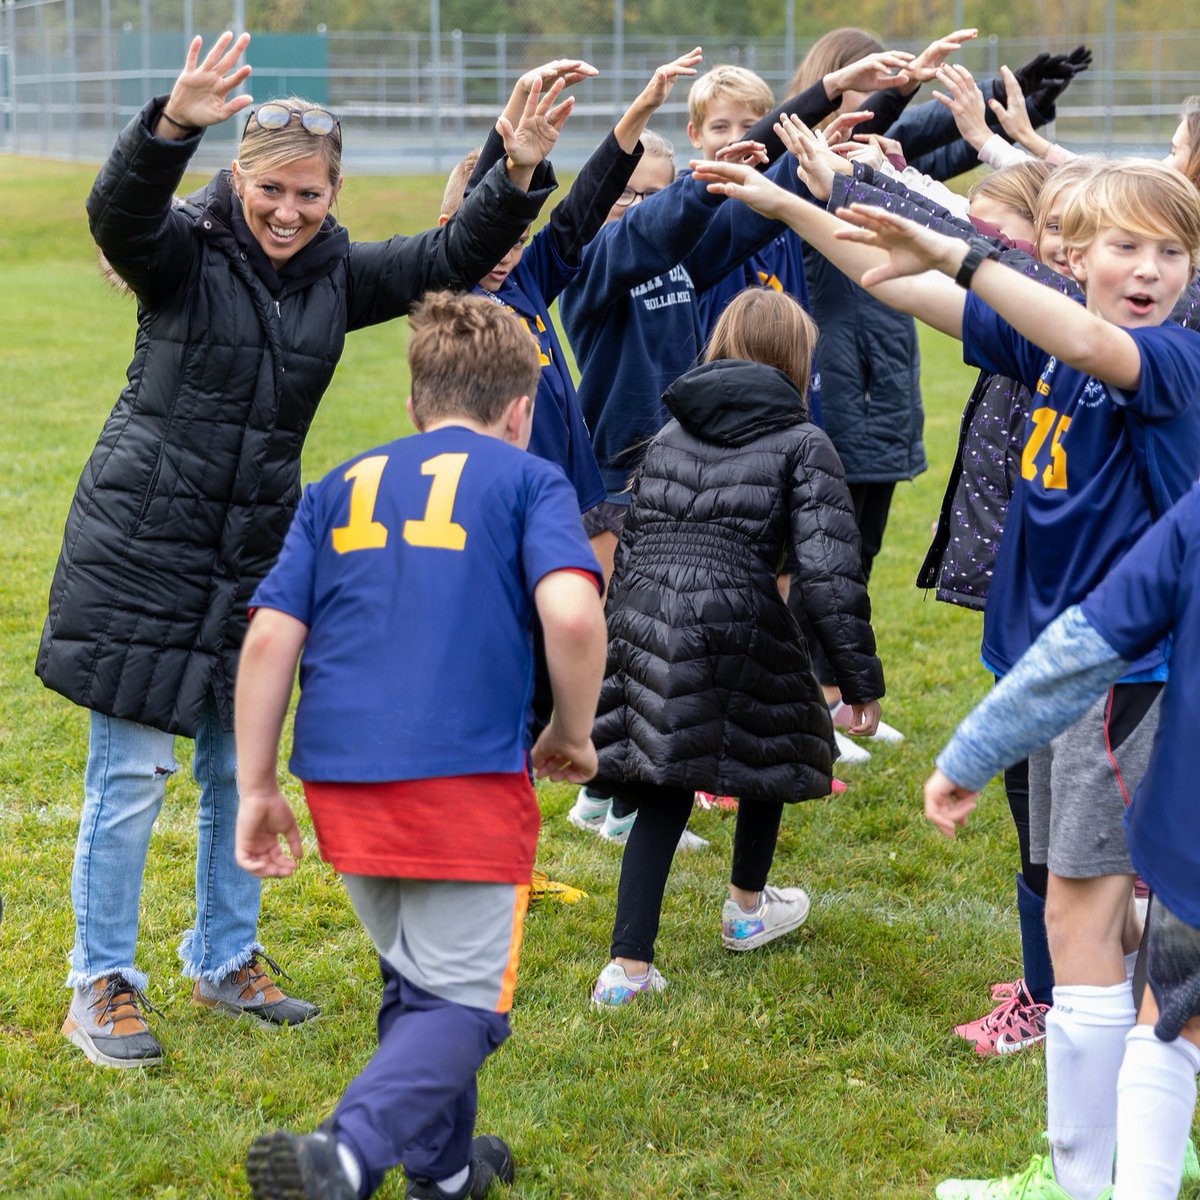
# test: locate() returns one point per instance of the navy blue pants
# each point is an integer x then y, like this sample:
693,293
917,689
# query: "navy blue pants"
414,1102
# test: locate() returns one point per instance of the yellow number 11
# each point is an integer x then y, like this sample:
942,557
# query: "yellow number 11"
434,531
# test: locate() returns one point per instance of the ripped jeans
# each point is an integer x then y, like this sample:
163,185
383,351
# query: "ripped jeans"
127,770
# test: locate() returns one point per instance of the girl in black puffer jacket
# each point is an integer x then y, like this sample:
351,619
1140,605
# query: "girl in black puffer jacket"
709,684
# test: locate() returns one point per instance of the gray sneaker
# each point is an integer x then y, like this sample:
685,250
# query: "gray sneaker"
105,1022
251,990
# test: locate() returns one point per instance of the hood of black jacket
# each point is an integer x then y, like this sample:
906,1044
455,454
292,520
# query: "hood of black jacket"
731,402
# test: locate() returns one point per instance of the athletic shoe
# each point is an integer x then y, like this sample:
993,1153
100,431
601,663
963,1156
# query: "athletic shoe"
1035,1182
105,1022
712,802
849,751
614,988
1191,1163
616,829
1016,1022
542,887
843,716
779,911
251,990
288,1166
491,1162
588,812
837,787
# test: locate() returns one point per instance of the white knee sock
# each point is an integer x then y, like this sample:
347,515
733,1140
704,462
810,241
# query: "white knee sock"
1085,1042
1156,1095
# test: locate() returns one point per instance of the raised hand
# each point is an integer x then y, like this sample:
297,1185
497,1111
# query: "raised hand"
743,183
199,96
748,152
838,130
816,163
924,67
1014,116
539,126
946,804
569,70
655,93
911,248
884,69
965,102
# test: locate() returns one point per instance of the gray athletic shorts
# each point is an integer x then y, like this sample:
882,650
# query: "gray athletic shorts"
458,941
1080,784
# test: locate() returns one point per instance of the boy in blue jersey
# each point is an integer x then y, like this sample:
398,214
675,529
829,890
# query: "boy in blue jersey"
409,579
1112,441
1153,593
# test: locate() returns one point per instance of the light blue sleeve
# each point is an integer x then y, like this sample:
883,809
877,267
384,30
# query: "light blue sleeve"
1055,682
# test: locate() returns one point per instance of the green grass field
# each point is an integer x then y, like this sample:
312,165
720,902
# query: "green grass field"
821,1066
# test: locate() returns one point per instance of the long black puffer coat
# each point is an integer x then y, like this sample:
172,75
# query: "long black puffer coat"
183,505
708,683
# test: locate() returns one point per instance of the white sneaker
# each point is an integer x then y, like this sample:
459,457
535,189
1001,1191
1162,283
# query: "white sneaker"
779,911
616,829
843,714
588,812
691,841
849,751
614,988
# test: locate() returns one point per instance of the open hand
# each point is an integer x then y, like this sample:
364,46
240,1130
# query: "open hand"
884,69
1014,116
539,127
748,152
655,93
838,130
198,97
925,66
911,248
965,102
743,183
569,70
946,804
553,757
816,163
261,821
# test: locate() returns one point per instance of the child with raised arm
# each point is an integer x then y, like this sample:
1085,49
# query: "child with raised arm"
408,579
1113,440
1153,593
709,684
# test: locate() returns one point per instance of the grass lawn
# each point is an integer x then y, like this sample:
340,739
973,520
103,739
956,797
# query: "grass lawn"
821,1066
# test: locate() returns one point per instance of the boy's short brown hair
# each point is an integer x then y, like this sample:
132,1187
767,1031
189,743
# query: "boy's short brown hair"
1144,197
456,183
468,358
727,82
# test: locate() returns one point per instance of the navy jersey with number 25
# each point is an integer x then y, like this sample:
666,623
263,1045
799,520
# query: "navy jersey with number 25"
413,567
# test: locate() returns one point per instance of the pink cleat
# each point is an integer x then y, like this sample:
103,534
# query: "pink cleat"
1016,1022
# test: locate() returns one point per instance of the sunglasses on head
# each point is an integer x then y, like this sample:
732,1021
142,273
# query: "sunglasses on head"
320,122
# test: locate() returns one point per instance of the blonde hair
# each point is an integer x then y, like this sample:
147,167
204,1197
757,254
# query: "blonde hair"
1146,198
834,50
1189,114
456,183
1016,186
736,84
468,358
655,145
263,150
1070,175
765,326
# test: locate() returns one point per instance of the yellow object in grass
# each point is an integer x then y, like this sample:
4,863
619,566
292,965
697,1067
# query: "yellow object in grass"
542,887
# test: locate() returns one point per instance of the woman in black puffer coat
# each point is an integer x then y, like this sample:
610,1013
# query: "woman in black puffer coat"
709,685
245,295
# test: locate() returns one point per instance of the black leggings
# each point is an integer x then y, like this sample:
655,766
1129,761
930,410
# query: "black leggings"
662,816
1016,787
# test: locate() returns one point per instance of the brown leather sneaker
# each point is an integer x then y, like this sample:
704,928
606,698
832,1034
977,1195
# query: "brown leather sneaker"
105,1022
251,990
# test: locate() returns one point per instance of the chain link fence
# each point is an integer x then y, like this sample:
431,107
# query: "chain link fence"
417,85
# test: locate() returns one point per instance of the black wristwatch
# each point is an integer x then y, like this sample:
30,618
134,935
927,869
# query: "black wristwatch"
979,250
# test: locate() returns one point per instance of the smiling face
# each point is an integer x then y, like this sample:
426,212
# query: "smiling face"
725,122
284,206
1131,279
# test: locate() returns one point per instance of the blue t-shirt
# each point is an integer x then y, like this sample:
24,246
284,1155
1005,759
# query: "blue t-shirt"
1156,591
413,567
1086,493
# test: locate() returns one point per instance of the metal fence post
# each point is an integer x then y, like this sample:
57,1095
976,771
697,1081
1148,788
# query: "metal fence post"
73,84
106,56
435,46
618,53
10,25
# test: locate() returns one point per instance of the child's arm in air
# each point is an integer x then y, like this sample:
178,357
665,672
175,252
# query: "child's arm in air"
572,616
266,669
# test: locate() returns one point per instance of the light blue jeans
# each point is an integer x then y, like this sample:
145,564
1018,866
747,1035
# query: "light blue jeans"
127,770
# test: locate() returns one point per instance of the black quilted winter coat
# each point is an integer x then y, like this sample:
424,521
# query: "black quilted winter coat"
708,683
183,505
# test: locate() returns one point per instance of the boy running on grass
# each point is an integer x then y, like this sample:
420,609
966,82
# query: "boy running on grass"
1152,594
409,579
1113,440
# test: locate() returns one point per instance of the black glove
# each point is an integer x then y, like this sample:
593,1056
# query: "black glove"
1044,78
